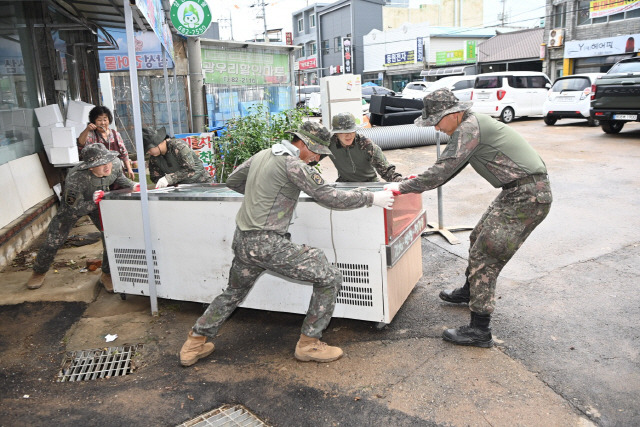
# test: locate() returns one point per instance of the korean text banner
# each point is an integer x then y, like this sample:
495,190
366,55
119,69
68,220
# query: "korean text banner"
226,67
611,7
148,52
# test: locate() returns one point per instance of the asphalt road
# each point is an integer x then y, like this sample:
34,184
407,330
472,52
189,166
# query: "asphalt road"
568,302
565,324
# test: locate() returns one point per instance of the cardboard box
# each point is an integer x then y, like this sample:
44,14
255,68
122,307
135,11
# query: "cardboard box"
45,134
49,115
78,111
63,137
63,155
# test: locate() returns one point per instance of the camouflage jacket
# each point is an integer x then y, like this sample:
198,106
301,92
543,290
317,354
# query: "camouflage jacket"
359,161
82,183
180,165
272,183
498,153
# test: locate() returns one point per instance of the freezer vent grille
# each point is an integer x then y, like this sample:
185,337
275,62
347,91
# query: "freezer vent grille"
355,285
132,265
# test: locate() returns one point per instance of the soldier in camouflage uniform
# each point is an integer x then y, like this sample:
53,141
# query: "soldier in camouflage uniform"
503,157
355,157
171,160
271,182
97,173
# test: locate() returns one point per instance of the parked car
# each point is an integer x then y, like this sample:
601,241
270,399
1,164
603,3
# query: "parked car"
570,98
461,86
367,91
416,90
303,94
510,94
615,96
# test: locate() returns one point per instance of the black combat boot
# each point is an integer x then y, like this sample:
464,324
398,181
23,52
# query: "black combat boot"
477,334
459,295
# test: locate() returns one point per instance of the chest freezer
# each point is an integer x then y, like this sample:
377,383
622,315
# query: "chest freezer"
378,251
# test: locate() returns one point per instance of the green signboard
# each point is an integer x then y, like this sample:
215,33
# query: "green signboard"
190,17
460,56
244,67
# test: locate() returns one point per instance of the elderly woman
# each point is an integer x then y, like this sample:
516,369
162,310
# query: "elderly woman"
97,131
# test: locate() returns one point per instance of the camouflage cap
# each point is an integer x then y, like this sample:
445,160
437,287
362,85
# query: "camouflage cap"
438,104
96,155
343,123
315,137
153,137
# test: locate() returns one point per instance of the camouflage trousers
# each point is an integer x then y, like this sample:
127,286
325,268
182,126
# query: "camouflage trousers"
503,228
257,251
57,234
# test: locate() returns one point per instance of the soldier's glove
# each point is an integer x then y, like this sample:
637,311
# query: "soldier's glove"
411,176
384,199
98,196
136,187
394,187
162,182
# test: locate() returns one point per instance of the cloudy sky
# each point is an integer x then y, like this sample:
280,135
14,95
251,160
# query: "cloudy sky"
245,24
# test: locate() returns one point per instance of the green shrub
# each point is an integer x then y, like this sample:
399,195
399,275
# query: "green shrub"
245,136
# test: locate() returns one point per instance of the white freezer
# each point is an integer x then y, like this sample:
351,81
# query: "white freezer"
379,252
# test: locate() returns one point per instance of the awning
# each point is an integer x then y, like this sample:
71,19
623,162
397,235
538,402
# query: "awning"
450,71
95,15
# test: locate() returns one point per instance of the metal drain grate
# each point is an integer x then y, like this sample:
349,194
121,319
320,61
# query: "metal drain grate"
226,415
109,362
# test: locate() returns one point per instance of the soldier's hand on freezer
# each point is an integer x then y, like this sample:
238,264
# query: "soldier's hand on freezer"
384,199
98,196
136,187
411,176
162,182
394,187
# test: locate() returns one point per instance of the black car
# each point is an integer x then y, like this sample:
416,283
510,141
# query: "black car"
367,91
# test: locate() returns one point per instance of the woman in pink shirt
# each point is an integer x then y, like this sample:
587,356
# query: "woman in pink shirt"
97,131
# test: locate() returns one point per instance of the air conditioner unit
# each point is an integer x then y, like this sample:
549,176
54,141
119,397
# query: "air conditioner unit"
556,37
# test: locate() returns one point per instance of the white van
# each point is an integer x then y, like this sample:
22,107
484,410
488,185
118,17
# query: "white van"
461,86
510,94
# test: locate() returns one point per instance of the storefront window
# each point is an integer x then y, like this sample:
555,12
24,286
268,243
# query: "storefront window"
18,96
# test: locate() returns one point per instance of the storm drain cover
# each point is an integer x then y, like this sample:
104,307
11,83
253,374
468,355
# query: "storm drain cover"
228,416
83,365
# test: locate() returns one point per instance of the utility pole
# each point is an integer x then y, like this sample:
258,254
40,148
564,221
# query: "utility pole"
262,4
502,17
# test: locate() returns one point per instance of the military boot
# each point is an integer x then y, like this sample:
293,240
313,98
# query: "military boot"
312,349
36,280
477,334
194,349
105,280
456,296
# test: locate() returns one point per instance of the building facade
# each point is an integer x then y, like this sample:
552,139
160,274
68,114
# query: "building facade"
398,56
589,36
306,36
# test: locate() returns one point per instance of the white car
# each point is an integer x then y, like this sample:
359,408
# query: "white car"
416,90
461,86
510,94
570,98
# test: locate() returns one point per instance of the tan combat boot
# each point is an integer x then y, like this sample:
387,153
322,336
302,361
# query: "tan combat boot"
312,349
36,280
105,279
194,348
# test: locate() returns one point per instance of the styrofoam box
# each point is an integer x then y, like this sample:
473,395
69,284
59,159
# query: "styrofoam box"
78,111
45,134
49,115
63,137
78,126
63,155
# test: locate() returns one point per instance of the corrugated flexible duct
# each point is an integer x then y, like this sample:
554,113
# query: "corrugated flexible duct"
402,136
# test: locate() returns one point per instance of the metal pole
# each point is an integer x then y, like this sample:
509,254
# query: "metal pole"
175,89
196,82
439,228
137,128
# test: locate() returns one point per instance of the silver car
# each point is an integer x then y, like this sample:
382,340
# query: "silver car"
570,98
